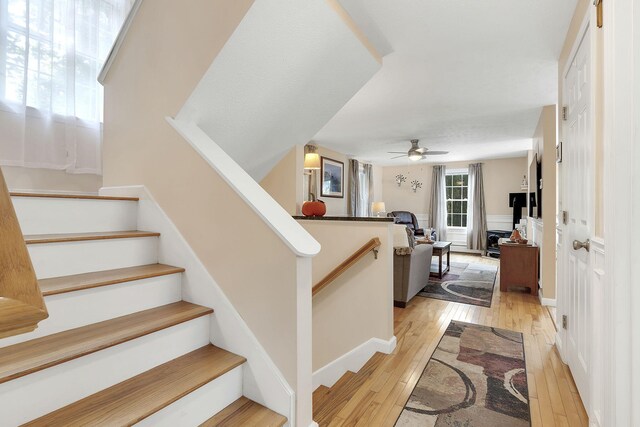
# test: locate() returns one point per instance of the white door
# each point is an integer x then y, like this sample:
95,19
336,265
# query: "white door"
577,202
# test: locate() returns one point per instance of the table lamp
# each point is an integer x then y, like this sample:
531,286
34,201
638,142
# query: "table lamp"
378,208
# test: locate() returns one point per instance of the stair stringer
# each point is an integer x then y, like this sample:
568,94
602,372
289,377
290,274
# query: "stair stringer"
262,381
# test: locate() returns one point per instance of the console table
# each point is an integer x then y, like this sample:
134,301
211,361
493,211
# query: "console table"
519,266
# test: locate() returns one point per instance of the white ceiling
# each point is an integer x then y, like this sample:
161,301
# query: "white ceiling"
284,72
468,77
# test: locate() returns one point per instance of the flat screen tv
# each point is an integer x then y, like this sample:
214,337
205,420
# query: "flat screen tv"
535,192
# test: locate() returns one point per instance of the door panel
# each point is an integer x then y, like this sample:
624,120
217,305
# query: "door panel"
577,201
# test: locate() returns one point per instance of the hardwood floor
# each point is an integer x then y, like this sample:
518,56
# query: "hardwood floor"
376,394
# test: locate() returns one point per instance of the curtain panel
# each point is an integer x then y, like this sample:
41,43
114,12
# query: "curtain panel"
354,187
476,210
51,103
367,189
438,215
360,188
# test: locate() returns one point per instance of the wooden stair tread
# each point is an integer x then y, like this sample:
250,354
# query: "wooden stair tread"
76,282
137,398
245,412
73,196
77,237
319,395
31,356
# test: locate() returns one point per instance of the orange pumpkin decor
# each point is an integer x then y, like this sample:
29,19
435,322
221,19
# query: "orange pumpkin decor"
314,207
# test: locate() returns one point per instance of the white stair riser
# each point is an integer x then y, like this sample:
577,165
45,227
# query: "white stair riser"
201,404
34,395
39,215
67,258
80,308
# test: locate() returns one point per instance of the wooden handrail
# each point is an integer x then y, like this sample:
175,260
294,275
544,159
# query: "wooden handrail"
371,245
21,302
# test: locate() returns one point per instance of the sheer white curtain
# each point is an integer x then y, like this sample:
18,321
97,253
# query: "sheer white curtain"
51,52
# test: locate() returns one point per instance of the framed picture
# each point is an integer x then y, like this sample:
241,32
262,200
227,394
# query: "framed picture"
332,172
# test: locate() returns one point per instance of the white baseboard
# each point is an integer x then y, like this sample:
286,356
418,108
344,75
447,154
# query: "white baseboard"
465,250
547,301
351,361
559,344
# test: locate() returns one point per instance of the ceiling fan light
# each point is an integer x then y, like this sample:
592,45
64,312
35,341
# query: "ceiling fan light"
415,157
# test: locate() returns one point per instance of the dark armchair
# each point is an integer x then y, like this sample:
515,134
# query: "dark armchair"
408,219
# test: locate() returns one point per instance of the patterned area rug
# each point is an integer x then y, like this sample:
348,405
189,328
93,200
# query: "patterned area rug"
476,377
465,283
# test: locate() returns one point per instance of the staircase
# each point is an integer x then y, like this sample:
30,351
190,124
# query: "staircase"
120,346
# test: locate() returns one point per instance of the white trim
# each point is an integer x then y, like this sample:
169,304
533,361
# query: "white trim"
262,380
464,250
600,368
122,34
621,176
456,171
500,222
352,361
303,408
551,302
423,220
62,192
292,234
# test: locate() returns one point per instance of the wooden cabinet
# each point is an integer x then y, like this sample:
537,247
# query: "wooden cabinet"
519,266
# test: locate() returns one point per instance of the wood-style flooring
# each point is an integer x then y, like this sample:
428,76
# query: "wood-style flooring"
376,395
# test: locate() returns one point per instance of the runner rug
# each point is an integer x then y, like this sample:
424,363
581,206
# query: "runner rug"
465,283
476,377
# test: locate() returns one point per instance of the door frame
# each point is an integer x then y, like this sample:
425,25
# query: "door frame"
621,207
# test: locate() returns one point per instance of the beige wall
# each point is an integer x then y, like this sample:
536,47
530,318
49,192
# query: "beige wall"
33,179
358,305
501,177
335,206
167,50
582,8
287,183
281,183
544,145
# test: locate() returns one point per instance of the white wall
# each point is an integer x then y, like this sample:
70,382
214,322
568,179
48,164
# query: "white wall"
277,82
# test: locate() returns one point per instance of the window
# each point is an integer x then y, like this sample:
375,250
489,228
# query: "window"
457,192
52,51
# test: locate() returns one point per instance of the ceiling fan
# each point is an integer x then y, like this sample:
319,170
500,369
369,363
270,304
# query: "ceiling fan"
416,152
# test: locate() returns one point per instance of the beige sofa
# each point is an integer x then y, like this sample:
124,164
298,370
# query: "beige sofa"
411,267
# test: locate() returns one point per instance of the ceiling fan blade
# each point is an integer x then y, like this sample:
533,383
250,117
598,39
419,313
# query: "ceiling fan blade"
397,157
434,153
421,149
397,152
